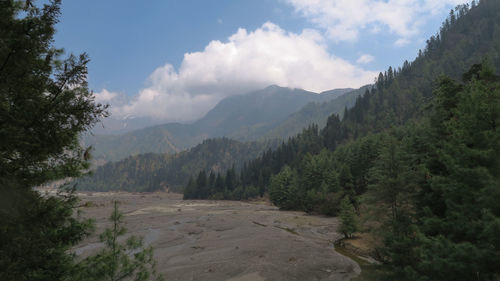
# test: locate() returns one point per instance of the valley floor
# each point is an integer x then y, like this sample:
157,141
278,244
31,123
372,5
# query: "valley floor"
225,240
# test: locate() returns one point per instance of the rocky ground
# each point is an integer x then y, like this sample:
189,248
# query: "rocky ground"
225,240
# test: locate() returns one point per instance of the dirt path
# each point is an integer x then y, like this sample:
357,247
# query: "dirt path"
226,240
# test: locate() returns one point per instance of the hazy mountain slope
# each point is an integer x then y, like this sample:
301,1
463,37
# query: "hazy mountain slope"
254,110
115,147
245,117
315,113
117,126
250,116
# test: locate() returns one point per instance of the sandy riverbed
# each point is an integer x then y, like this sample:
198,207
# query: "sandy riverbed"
226,240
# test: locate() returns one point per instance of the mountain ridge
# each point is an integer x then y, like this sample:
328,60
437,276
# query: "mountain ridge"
247,117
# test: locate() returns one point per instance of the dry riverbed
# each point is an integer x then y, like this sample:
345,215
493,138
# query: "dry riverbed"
225,240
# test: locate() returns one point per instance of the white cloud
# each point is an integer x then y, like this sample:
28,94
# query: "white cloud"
344,19
104,96
365,58
246,61
402,42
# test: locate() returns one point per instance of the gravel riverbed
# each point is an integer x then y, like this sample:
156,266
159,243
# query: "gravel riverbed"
225,240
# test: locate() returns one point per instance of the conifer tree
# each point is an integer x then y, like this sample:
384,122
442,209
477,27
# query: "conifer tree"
219,184
44,105
348,224
127,260
391,177
283,190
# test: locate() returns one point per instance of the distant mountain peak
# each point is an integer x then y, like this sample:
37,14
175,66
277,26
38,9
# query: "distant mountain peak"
274,86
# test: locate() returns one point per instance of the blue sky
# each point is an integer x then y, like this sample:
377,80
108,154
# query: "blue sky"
127,40
138,48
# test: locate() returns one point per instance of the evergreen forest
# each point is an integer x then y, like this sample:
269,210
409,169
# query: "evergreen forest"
152,172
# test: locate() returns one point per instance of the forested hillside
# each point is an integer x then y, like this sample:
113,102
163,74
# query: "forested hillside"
149,172
417,158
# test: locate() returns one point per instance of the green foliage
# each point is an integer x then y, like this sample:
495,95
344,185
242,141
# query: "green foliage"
393,179
37,233
445,232
127,260
258,172
44,105
458,206
348,224
220,187
283,191
44,100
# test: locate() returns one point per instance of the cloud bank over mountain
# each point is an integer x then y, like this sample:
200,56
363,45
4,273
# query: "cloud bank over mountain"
247,61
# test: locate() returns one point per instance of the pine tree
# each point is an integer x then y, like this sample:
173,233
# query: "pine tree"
219,184
392,177
45,105
283,190
44,101
127,260
348,223
230,179
190,191
201,185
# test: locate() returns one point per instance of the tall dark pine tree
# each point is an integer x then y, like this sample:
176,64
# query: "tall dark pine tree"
392,178
230,180
219,184
332,134
44,105
202,185
347,216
